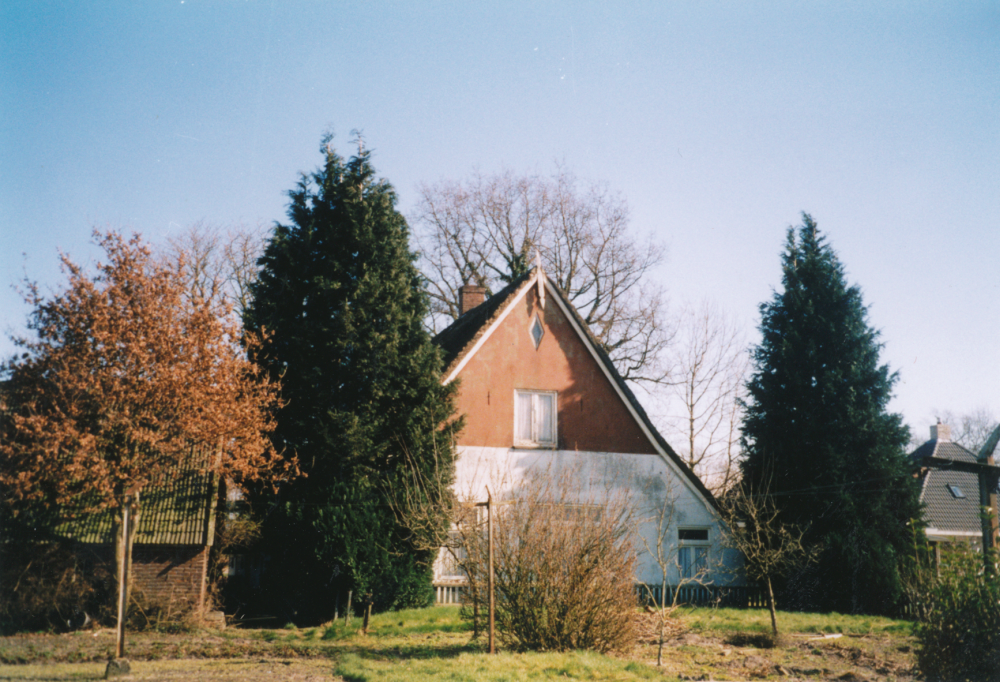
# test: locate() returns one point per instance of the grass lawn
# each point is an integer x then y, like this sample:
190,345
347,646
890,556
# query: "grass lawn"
434,644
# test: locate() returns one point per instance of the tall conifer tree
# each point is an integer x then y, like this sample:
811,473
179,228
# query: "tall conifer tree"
818,436
343,303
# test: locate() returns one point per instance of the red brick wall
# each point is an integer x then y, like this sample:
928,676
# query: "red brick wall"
170,574
591,416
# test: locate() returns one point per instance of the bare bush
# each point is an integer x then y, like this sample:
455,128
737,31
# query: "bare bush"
564,566
688,564
50,586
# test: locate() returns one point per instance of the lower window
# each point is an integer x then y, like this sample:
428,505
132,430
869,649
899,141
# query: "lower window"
693,561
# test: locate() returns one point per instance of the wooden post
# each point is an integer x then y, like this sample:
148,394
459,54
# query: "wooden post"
489,523
988,481
123,577
988,504
368,613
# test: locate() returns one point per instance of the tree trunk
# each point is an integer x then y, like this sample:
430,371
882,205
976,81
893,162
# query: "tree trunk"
123,544
475,610
663,609
368,614
770,605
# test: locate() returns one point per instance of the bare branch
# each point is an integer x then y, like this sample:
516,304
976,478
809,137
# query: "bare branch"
709,365
485,231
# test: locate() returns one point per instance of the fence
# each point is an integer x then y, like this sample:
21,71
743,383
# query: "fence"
740,597
449,591
736,597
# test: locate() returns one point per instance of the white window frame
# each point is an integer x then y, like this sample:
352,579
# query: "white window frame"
533,441
694,568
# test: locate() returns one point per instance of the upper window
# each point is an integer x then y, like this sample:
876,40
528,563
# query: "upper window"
692,535
956,491
535,419
537,331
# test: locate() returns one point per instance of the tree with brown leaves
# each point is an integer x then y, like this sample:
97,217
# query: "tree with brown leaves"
127,371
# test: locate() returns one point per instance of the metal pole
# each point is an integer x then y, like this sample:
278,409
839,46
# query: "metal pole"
489,522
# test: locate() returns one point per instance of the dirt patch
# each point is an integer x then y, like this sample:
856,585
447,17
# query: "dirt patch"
306,654
756,656
98,646
261,670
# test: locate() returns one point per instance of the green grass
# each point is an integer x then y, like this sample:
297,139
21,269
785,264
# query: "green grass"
435,644
759,620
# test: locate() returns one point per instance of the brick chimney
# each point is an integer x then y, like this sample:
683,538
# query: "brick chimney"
941,431
470,296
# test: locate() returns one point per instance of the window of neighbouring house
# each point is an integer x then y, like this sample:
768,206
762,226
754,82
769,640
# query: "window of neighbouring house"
692,555
535,419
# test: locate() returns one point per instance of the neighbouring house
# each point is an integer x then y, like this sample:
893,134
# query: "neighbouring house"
949,476
540,394
173,540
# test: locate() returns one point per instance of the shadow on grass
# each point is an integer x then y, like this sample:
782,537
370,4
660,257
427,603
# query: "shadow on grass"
413,652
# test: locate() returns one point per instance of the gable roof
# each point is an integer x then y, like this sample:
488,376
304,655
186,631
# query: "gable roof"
458,339
945,513
464,336
180,512
943,449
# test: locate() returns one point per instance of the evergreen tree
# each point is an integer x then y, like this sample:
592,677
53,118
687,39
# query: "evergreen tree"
343,305
816,433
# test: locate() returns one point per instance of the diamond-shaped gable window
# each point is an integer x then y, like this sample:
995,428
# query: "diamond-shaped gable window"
537,331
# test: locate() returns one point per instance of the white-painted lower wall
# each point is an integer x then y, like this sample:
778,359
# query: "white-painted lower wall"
648,481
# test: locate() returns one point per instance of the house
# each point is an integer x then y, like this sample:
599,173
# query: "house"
173,540
949,477
539,394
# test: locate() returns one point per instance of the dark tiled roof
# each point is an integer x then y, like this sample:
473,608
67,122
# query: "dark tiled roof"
942,510
461,336
178,513
944,449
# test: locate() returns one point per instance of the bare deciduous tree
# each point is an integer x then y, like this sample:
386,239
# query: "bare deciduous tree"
665,552
220,264
770,548
708,367
485,231
969,429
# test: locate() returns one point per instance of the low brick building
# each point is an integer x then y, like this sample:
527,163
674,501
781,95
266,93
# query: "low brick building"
173,541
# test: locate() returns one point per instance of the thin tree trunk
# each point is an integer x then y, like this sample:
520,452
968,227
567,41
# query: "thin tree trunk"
663,617
123,544
475,610
770,605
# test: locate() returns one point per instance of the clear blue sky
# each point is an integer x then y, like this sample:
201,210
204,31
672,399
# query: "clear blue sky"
719,122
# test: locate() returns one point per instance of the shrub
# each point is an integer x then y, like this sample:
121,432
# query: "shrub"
49,586
959,610
564,567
